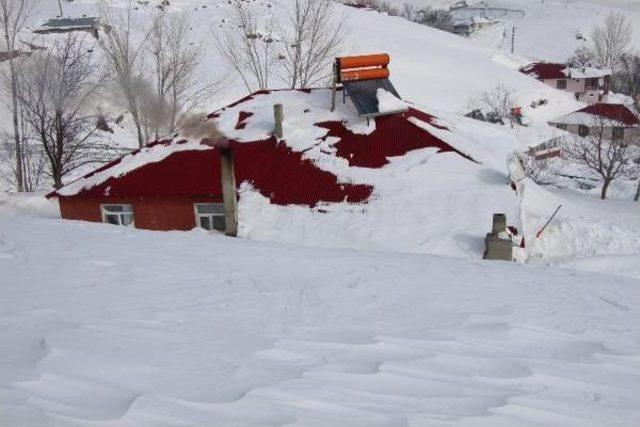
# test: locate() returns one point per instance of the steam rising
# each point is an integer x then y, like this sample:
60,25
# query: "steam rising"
198,126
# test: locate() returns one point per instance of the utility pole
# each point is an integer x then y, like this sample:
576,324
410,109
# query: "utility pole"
513,39
60,6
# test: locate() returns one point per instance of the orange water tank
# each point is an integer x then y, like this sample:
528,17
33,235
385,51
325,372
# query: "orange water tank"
361,61
364,74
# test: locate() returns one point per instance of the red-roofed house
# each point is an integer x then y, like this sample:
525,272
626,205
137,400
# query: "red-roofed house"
618,121
176,184
588,84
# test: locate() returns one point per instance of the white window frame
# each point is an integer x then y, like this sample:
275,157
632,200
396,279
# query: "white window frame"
127,210
211,216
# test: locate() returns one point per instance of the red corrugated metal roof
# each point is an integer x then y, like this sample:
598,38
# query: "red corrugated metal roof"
272,167
546,70
616,112
285,177
394,135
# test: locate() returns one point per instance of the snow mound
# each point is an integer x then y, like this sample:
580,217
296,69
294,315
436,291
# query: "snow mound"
121,327
389,103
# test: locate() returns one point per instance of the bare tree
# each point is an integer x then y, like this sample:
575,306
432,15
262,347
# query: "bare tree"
582,57
611,39
637,195
123,54
435,18
57,86
385,7
245,48
34,161
611,159
627,79
313,37
496,103
636,161
14,14
175,61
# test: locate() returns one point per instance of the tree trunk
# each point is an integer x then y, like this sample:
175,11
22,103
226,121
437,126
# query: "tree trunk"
57,179
605,187
139,131
16,125
637,197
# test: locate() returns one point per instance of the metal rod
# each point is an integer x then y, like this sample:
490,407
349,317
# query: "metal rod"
334,86
278,116
548,221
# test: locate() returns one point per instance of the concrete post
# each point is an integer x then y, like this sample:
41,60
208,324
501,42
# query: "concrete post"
499,223
228,178
496,247
278,115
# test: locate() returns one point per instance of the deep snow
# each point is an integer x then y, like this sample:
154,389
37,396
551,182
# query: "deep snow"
104,325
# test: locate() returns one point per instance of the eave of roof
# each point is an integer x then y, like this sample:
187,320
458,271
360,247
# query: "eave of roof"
613,115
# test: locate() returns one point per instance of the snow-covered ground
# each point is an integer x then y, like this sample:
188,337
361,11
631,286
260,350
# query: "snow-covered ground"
104,325
108,326
588,233
549,28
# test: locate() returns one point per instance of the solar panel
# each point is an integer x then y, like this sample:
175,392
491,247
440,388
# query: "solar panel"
363,93
64,23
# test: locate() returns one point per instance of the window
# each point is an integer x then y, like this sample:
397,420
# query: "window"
591,84
561,84
562,126
210,216
117,214
618,133
583,130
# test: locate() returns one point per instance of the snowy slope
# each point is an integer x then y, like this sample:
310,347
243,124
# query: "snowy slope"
428,66
446,200
193,329
549,27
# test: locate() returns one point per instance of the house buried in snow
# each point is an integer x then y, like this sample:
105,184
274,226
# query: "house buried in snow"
588,84
178,184
615,121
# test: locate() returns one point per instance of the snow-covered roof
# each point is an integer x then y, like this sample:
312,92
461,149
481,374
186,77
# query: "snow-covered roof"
469,20
549,70
311,164
153,153
606,114
588,72
67,24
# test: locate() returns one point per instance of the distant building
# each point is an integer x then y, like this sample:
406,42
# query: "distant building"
469,25
618,121
89,24
588,84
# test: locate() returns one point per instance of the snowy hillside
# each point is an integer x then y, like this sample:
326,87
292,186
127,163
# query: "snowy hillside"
435,70
327,313
548,30
193,329
428,66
